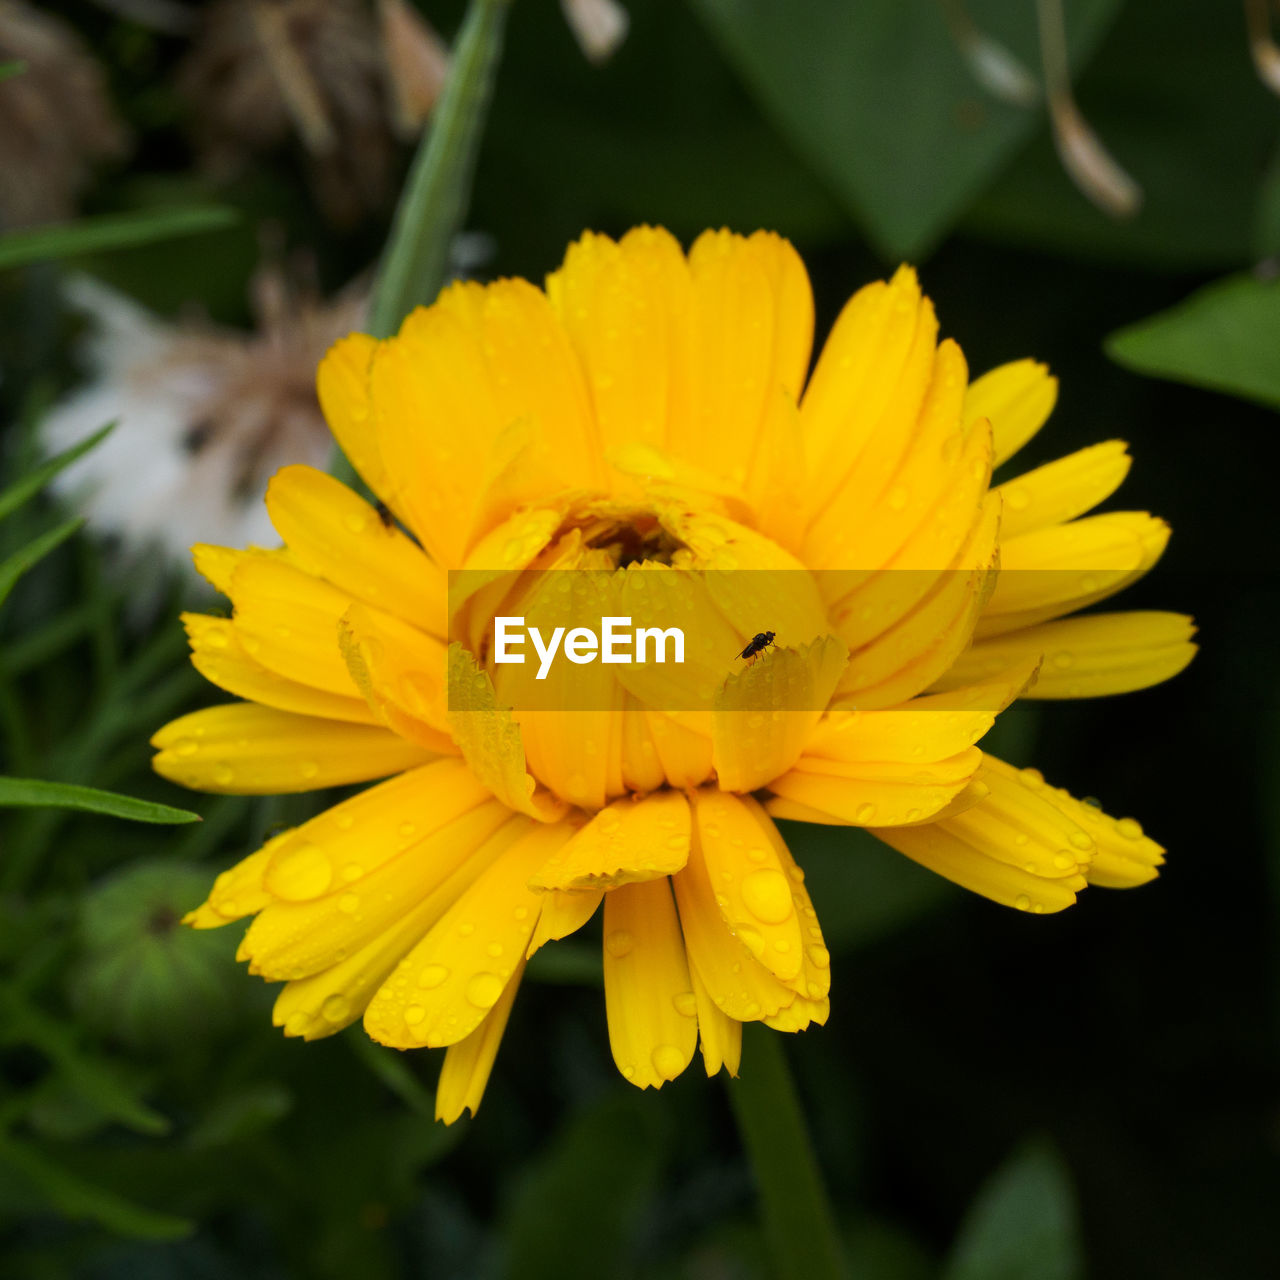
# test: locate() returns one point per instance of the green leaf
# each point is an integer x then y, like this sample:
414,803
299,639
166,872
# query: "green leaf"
438,189
877,97
1225,338
110,231
29,556
25,489
91,1079
77,1199
1022,1225
35,793
591,1186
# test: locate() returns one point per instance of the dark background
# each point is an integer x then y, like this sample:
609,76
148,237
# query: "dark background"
1132,1038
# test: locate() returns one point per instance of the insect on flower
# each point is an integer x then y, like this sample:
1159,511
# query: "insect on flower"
759,643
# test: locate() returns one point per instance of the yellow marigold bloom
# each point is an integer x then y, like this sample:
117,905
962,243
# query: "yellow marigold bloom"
648,415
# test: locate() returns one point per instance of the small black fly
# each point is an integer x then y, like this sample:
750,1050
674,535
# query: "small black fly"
384,514
759,643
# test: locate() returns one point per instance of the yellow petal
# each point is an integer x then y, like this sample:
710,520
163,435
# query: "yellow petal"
456,974
751,332
649,1000
1089,657
342,383
219,655
903,476
752,886
766,713
236,893
401,672
1016,398
1012,846
737,983
468,1064
287,620
563,913
1061,490
911,655
490,741
626,307
291,940
1123,855
629,842
719,1035
216,564
337,849
245,749
450,390
1058,570
870,381
335,534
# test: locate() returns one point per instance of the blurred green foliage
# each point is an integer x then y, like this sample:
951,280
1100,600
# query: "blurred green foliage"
152,1121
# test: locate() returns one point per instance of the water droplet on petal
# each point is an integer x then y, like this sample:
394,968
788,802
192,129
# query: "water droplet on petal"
667,1061
685,1004
1081,840
619,943
432,976
1130,828
300,871
349,903
820,956
336,1009
865,813
767,895
1022,902
484,989
414,1014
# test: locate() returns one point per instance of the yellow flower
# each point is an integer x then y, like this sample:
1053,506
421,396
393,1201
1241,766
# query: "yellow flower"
647,416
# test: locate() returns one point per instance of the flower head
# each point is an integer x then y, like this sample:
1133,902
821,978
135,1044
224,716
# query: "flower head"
646,429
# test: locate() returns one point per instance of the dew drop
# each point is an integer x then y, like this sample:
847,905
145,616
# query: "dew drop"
1022,902
224,775
349,903
493,949
521,913
336,1009
767,895
685,1004
753,1010
1016,499
1081,840
432,976
352,871
301,871
1130,828
819,955
186,747
343,821
667,1061
1063,861
414,1014
297,1023
309,768
619,943
484,989
466,929
865,813
356,522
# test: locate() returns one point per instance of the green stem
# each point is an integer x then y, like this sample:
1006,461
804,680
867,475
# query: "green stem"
438,189
798,1221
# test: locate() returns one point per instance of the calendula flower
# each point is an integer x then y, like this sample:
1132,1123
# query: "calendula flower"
646,422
